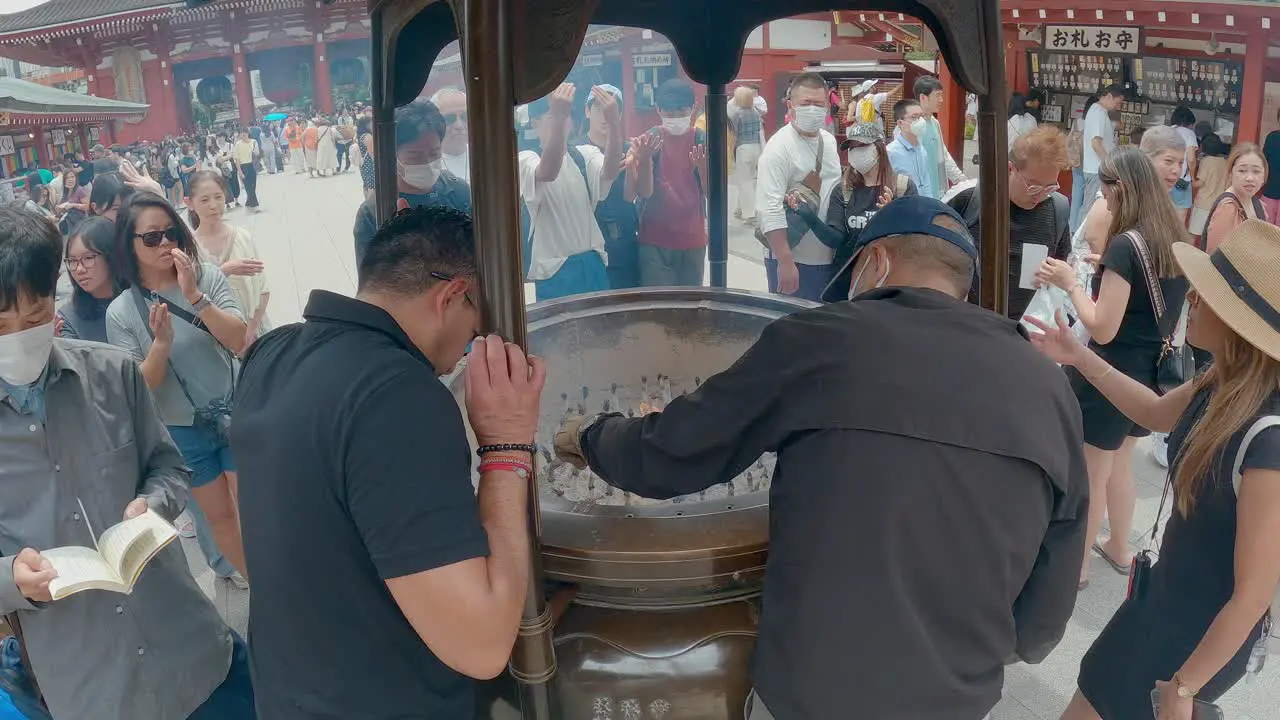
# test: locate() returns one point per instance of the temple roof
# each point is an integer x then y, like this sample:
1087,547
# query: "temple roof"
60,12
20,97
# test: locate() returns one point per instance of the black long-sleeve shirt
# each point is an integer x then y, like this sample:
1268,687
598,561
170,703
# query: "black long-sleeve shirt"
927,513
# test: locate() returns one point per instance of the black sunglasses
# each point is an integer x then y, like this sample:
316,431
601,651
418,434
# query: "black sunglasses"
452,118
155,237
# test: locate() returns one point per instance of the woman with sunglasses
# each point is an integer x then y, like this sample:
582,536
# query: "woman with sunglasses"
89,262
1191,632
180,320
1123,326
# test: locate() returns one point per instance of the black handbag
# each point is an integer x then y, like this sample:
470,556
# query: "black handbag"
1175,365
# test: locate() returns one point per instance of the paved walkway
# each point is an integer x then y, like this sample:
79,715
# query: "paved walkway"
304,236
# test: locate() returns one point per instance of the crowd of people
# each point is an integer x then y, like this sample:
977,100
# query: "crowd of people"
965,489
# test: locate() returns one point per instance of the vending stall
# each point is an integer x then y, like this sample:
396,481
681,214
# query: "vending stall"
38,123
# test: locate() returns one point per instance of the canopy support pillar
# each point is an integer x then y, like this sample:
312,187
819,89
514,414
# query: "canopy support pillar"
487,54
993,173
717,185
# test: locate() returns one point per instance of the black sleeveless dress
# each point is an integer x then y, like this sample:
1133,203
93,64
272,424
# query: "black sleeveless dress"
1193,579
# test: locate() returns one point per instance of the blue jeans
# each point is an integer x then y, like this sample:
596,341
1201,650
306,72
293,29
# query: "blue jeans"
206,454
233,699
1077,196
813,279
582,273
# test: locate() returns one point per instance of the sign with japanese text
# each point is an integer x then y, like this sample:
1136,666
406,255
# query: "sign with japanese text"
651,60
59,137
1093,39
6,145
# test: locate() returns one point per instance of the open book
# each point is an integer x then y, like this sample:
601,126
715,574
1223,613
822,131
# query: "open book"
116,560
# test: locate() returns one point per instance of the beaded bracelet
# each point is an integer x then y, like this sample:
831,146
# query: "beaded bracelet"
505,447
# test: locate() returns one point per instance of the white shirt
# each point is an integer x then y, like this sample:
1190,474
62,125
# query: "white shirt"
562,212
1097,123
1189,137
787,158
460,165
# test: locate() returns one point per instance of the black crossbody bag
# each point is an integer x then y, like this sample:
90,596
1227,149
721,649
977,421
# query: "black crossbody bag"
1175,365
215,417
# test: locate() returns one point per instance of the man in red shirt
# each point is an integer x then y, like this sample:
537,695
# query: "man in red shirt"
671,195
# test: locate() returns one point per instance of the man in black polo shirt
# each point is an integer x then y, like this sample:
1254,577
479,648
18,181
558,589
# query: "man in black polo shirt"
382,582
928,508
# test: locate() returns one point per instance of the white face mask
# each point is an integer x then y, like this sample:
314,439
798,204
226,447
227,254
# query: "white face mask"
863,158
677,125
24,355
853,288
918,127
809,118
422,177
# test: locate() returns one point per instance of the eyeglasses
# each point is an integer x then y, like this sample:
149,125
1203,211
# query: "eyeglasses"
1036,190
466,294
452,118
156,237
86,261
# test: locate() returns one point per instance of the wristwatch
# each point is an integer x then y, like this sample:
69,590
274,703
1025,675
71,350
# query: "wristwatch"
1184,692
201,304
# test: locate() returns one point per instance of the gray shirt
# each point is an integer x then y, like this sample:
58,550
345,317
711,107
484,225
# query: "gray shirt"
207,369
158,653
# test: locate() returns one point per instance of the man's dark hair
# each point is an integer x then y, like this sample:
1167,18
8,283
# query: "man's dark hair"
1115,89
901,107
105,165
69,157
674,94
417,119
30,255
813,81
415,243
1182,117
926,85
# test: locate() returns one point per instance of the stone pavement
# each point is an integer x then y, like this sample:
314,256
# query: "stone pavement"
304,236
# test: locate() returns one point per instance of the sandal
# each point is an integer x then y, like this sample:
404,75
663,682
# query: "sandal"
1080,586
1122,569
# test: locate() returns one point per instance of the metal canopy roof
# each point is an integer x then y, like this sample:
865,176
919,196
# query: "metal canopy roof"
549,34
27,98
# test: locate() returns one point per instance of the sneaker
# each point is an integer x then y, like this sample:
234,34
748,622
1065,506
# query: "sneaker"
187,529
1160,449
238,580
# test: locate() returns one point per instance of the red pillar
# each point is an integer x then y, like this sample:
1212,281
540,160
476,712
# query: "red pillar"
323,85
1255,66
42,150
244,87
952,116
82,131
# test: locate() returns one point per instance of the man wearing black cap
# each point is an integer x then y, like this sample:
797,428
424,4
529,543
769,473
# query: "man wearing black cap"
928,508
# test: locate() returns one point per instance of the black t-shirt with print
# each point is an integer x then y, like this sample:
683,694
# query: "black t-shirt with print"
1139,324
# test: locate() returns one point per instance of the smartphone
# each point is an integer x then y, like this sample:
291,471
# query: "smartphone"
1200,710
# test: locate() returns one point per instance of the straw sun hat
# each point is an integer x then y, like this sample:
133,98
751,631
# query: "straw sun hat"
1241,282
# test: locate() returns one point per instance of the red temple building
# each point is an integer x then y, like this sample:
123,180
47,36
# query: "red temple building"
306,53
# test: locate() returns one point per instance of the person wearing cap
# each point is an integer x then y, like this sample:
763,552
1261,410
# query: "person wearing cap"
1038,213
616,213
560,185
927,510
801,157
869,183
1191,633
858,94
672,195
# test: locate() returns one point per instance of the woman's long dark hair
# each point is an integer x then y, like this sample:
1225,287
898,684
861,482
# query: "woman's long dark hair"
196,179
126,227
109,190
98,235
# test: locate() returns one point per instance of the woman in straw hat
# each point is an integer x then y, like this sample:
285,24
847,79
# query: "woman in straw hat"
1118,313
1191,632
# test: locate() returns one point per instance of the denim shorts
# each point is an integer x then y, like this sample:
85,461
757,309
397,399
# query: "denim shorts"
206,454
